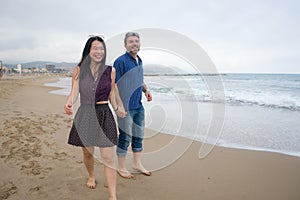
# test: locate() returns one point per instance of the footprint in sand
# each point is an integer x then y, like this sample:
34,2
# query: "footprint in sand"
34,189
38,192
7,189
18,113
61,156
34,168
26,138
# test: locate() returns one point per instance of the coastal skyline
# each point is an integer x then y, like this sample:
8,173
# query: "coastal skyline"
239,36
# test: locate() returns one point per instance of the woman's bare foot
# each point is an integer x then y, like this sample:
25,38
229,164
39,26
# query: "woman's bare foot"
140,168
124,173
91,183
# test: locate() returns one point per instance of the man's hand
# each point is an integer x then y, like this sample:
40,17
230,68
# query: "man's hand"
148,95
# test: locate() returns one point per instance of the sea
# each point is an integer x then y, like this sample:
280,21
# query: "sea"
253,111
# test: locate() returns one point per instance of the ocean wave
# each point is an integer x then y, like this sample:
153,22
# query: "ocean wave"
264,104
277,93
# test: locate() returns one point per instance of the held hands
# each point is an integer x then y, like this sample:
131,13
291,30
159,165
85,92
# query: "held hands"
120,111
68,108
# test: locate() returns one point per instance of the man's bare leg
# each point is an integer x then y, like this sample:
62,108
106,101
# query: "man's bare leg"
122,170
137,164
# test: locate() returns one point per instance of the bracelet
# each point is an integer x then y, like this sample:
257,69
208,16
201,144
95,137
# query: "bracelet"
116,109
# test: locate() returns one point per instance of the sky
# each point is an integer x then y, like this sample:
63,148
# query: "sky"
239,36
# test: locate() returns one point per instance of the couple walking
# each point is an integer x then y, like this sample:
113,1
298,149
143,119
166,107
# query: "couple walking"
94,126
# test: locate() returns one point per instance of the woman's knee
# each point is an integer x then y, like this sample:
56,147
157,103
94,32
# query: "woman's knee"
108,156
88,152
108,160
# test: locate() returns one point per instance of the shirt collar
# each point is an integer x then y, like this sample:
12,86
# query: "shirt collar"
129,55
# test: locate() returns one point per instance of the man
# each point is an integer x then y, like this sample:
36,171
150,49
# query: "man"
129,78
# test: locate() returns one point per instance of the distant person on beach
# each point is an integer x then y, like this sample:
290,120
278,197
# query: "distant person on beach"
1,70
130,81
94,124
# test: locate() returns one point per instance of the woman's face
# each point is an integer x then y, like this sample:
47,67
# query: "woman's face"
97,51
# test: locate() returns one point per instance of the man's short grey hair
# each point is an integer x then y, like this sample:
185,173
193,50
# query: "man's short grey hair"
129,34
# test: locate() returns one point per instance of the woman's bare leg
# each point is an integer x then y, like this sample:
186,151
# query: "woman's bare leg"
88,159
108,158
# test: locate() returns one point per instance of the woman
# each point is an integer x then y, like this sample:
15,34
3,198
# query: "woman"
94,124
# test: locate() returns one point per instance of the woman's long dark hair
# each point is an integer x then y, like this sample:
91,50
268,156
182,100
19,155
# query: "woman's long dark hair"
85,61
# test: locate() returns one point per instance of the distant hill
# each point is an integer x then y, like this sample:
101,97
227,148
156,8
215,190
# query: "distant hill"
42,64
150,69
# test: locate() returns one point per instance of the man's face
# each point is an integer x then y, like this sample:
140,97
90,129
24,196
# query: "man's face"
132,44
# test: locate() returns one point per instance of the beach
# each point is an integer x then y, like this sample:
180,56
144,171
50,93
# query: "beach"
37,163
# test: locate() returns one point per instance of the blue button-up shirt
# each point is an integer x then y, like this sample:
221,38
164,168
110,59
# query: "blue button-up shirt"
129,78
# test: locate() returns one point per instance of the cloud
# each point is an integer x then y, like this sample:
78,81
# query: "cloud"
236,34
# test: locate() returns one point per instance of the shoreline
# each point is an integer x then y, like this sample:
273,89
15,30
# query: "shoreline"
37,163
238,147
226,144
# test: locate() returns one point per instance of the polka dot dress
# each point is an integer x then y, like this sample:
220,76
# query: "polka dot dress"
93,125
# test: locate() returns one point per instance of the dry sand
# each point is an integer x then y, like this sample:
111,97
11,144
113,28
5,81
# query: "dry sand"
37,163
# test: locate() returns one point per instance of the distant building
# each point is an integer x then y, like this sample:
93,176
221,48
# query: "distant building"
50,67
43,70
19,68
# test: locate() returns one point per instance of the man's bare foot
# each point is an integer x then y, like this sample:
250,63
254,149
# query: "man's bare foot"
140,168
125,173
112,198
91,183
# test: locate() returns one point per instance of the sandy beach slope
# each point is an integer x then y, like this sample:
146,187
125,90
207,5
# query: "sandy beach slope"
36,162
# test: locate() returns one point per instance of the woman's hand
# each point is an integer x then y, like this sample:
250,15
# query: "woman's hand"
68,108
120,111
